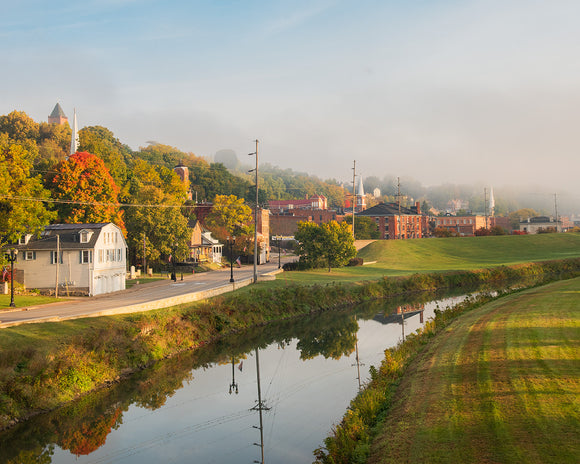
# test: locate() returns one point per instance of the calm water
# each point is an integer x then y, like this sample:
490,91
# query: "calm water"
203,407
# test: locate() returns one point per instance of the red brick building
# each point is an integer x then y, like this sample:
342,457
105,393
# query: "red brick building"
396,222
287,223
315,202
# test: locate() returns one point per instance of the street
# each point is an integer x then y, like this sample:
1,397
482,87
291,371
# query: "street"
154,295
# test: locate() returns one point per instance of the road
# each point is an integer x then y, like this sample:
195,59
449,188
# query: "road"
154,295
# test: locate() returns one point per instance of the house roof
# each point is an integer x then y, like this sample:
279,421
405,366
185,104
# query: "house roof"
68,237
387,209
57,112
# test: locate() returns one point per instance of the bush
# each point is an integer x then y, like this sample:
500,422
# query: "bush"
355,262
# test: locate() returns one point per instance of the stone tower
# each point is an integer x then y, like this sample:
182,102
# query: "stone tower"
57,116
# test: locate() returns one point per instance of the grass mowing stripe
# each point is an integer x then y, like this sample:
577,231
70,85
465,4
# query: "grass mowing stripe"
511,395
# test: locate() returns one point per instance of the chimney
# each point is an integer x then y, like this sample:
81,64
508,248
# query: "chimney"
418,205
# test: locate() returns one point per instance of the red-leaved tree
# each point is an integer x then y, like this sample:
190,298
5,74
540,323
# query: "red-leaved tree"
85,182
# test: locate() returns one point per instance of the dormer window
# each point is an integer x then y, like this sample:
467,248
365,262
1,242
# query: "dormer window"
24,239
85,236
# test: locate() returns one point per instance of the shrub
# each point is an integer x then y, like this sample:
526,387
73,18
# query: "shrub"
355,262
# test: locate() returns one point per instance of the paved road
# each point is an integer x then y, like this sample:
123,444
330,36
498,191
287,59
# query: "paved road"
144,297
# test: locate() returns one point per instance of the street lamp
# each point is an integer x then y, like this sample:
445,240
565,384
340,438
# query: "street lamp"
12,258
255,216
231,243
279,257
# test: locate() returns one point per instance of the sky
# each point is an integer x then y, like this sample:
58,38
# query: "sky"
442,91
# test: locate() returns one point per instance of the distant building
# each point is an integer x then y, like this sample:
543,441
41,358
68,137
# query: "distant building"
287,223
183,173
202,246
539,224
456,205
314,202
84,259
396,222
377,192
461,225
57,116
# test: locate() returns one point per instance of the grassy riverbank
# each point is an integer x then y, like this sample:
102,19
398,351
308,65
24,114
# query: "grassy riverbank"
497,384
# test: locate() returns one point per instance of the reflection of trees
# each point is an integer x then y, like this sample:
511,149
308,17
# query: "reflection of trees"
331,342
91,434
37,455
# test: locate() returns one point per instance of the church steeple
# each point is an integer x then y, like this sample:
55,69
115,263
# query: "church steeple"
57,116
74,143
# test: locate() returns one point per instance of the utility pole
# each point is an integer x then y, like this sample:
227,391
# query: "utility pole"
353,195
57,264
556,209
144,262
256,217
399,206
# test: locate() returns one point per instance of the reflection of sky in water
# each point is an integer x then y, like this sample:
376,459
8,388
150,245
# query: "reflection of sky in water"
203,423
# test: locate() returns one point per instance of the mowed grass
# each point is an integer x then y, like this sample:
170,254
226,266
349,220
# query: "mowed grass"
22,301
500,385
404,257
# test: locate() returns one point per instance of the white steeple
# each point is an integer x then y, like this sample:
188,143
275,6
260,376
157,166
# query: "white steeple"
360,191
74,143
491,202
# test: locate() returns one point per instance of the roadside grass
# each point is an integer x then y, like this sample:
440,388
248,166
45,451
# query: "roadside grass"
27,300
404,257
500,384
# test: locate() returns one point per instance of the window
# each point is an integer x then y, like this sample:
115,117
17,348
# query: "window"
29,255
86,256
101,256
84,236
53,257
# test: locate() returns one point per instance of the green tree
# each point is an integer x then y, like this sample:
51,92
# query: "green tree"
520,215
158,222
103,143
365,228
230,215
85,182
21,208
19,126
331,243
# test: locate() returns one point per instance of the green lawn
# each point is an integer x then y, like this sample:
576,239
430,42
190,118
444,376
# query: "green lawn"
500,384
22,301
404,257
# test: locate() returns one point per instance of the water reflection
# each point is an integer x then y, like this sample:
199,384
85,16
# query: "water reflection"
178,411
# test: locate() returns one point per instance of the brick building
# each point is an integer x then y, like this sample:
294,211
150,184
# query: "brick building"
396,222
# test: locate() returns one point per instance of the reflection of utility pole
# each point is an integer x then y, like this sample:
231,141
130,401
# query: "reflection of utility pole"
403,320
358,364
260,407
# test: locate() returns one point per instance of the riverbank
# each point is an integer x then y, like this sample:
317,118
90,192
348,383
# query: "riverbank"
46,365
497,377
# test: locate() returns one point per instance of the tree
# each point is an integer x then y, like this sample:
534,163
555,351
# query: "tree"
85,182
331,243
365,228
230,215
160,228
19,126
20,216
520,215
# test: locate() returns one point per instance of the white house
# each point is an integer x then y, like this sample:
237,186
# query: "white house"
539,224
88,259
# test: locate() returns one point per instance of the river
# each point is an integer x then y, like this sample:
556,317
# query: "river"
203,407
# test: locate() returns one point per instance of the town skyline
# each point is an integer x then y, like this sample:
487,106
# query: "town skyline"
482,92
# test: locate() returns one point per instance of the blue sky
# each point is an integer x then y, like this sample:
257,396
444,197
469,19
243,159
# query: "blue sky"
471,91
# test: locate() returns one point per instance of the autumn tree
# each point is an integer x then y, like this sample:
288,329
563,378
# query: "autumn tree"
103,143
86,190
156,225
21,208
330,243
230,215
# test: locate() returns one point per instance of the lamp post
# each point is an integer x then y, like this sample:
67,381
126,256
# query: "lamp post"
279,258
231,243
12,258
255,216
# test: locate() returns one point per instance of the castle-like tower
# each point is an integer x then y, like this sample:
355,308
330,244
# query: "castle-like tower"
57,116
183,173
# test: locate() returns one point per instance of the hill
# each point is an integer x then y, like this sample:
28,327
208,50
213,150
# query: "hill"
440,254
